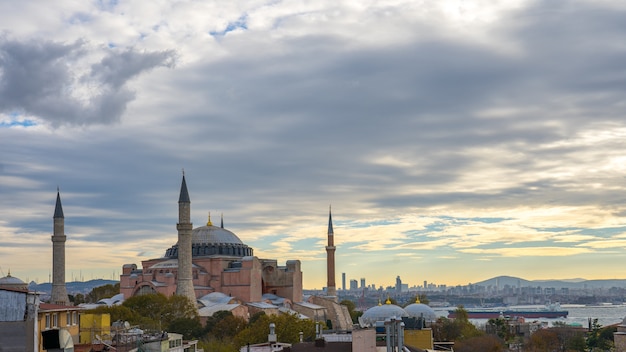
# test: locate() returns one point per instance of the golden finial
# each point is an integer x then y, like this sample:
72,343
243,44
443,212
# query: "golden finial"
417,299
380,304
388,301
209,223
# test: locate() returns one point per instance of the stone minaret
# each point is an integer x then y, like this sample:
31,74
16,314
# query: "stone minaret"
330,259
59,292
184,285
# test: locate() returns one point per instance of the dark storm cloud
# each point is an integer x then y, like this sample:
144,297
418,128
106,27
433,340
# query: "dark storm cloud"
38,78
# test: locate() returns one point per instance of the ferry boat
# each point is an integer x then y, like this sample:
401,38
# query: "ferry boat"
548,312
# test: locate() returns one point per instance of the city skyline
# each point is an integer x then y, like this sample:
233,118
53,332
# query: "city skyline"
455,140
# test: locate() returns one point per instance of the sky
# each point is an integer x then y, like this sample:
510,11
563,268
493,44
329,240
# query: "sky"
455,140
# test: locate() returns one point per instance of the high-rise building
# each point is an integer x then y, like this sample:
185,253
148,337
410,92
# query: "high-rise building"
59,291
343,281
354,285
362,282
398,284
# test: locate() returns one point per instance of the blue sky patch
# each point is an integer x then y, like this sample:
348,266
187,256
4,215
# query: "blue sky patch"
240,23
23,123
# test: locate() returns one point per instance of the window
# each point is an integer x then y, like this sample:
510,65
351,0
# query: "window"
68,319
55,320
47,321
74,318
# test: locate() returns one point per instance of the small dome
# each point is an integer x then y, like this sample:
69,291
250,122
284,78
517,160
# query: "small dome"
216,297
12,282
382,313
418,310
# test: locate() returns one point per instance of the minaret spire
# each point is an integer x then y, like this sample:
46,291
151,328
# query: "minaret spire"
184,285
59,291
331,289
330,221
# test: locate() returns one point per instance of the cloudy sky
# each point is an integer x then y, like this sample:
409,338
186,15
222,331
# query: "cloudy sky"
456,140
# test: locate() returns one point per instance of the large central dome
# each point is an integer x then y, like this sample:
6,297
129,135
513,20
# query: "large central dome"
212,234
212,240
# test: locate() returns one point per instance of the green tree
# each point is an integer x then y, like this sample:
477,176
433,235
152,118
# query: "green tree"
217,346
191,328
228,327
543,340
288,328
459,328
100,292
599,339
77,299
486,343
354,314
118,313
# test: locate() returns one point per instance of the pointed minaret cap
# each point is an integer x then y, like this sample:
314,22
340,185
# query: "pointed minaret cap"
184,194
58,209
330,222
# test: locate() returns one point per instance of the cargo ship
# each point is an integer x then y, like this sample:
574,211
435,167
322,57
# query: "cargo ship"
548,312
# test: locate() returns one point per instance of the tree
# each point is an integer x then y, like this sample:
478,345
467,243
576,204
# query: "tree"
77,299
455,329
354,314
118,313
191,328
288,328
486,343
599,339
154,311
544,340
228,327
500,327
100,292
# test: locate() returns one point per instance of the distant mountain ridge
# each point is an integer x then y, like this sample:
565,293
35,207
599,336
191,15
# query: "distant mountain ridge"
502,281
73,287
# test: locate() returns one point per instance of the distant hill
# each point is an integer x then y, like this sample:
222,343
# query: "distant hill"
502,281
74,287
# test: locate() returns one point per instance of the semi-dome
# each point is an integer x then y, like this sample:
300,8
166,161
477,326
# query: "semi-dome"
383,312
418,310
213,240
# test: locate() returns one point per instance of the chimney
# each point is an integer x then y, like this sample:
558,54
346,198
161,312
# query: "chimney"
271,338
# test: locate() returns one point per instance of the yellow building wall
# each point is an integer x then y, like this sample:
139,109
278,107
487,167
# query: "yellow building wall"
47,322
419,338
94,324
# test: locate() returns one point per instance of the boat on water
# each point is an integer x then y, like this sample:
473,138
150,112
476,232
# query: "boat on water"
548,312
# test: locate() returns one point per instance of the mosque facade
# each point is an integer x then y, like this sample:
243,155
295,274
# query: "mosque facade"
210,259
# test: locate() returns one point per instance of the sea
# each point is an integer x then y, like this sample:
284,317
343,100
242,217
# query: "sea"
578,315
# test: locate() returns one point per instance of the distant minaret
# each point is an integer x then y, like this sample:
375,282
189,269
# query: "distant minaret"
330,258
184,286
59,292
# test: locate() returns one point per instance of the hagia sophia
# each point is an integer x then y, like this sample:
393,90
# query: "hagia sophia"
218,263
